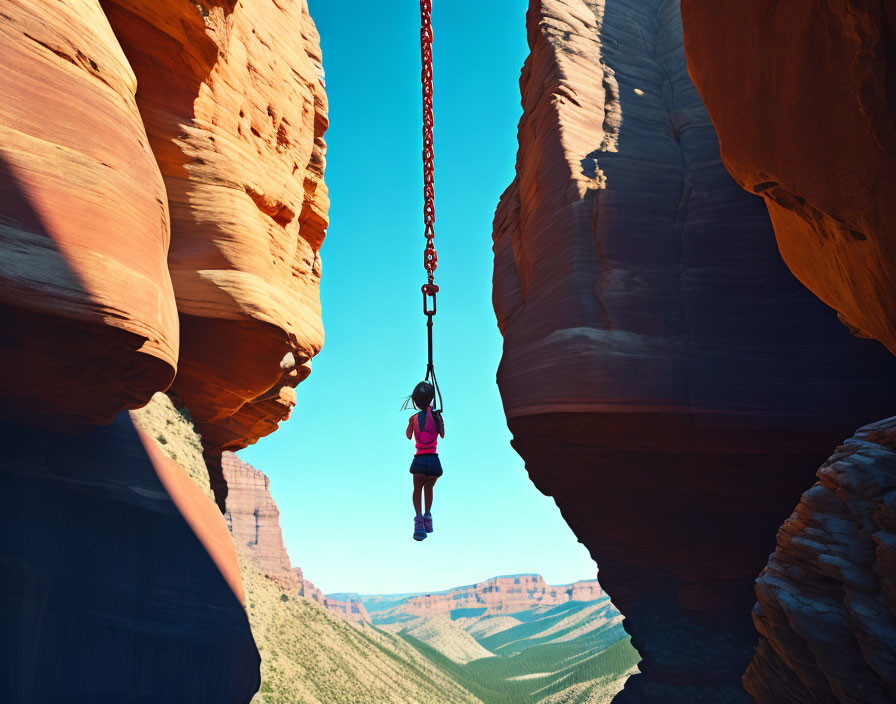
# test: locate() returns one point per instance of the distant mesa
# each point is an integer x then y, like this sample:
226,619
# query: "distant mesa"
504,594
516,638
254,520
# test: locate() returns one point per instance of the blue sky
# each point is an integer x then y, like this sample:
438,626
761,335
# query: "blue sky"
339,466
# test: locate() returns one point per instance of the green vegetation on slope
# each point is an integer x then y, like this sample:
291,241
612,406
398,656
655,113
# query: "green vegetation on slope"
555,624
576,653
309,656
573,653
175,436
542,674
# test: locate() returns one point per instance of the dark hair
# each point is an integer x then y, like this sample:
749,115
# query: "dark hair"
422,395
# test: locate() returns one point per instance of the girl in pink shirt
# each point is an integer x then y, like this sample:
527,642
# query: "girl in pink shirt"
425,427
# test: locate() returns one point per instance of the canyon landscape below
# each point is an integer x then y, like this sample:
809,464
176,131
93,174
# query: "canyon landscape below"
694,266
506,640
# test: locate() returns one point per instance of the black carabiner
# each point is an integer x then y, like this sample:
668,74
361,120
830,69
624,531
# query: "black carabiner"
429,291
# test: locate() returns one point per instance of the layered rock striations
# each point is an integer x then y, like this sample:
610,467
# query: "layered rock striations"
126,123
827,599
90,324
307,589
233,100
810,125
803,98
664,376
254,519
501,595
202,110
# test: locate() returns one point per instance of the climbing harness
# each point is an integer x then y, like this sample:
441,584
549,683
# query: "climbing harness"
430,256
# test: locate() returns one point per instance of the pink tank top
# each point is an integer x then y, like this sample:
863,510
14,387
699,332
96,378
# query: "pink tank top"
426,439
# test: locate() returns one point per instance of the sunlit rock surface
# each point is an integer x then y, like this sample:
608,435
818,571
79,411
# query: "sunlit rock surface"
666,378
501,595
351,610
233,100
307,588
803,96
254,519
89,320
827,599
120,582
125,123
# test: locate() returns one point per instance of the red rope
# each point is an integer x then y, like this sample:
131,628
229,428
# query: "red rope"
430,257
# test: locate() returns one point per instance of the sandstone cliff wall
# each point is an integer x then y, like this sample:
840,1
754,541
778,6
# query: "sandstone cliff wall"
809,123
307,588
161,211
665,377
803,96
235,110
254,519
827,599
350,609
90,324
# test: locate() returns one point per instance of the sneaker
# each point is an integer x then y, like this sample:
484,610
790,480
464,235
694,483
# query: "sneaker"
419,530
427,522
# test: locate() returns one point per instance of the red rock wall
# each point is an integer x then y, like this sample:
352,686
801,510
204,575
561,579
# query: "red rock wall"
254,519
803,97
827,599
124,123
233,100
89,320
307,588
665,377
810,125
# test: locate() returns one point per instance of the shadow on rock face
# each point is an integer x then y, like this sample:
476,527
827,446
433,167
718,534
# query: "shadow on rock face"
107,594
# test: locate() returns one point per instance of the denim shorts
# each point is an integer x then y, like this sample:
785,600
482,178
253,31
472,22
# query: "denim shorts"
427,465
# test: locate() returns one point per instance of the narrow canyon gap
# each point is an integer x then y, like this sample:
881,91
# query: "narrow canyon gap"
666,378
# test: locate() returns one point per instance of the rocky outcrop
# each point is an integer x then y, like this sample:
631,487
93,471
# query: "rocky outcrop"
254,520
89,320
307,588
664,376
803,97
350,609
233,101
229,137
810,125
124,123
827,599
120,582
500,595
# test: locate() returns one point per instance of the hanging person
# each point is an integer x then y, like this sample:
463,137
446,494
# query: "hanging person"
425,427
